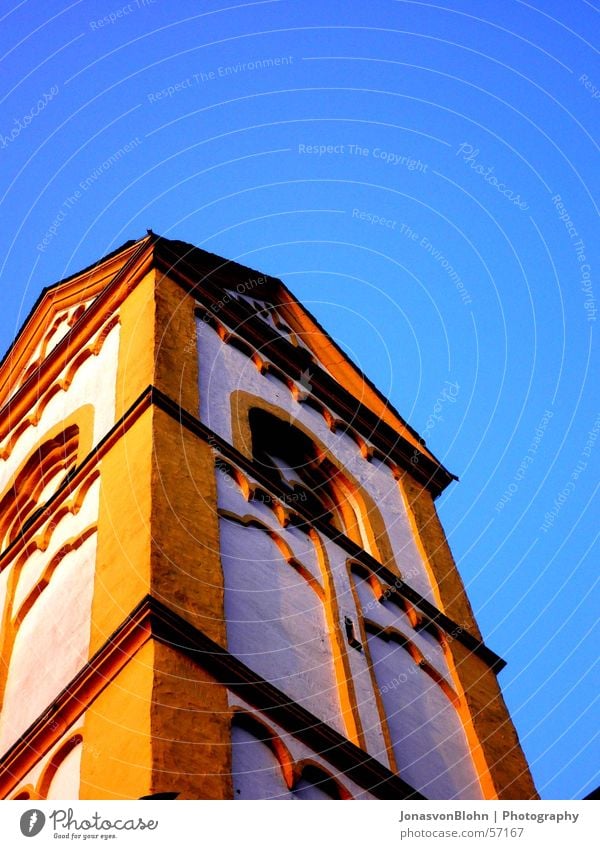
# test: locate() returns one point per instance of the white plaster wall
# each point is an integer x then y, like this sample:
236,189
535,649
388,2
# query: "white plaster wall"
224,369
51,644
303,550
276,622
248,759
230,498
429,742
255,769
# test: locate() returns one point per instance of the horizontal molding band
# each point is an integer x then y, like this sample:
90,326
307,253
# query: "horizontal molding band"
76,477
398,587
153,620
153,396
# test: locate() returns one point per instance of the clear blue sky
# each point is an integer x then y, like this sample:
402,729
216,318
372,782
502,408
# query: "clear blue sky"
195,120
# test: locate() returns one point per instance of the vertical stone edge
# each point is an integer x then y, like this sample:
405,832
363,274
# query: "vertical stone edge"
494,742
117,742
190,712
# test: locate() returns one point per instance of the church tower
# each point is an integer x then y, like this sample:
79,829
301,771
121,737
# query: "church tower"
222,574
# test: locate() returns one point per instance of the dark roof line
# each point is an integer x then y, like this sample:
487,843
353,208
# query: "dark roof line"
188,253
129,243
188,256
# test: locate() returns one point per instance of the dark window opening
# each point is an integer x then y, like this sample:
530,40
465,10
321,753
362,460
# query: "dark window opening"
294,462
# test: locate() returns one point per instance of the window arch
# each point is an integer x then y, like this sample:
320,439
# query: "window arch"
36,481
290,457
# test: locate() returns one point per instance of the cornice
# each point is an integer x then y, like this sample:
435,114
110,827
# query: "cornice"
153,620
396,586
204,276
295,361
113,289
153,396
33,535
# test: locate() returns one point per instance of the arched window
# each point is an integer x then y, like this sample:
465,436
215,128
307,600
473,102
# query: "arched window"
36,481
296,463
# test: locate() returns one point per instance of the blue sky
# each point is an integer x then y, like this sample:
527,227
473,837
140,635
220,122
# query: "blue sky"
424,177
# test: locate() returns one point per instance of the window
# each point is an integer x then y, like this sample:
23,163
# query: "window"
295,462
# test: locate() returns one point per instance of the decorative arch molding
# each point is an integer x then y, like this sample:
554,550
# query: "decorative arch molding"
454,692
9,620
391,634
366,574
42,540
313,772
68,317
292,771
249,521
243,402
254,492
39,790
383,593
12,428
57,759
62,447
326,594
68,548
46,462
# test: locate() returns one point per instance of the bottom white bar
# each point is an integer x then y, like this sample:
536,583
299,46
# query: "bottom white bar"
295,825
